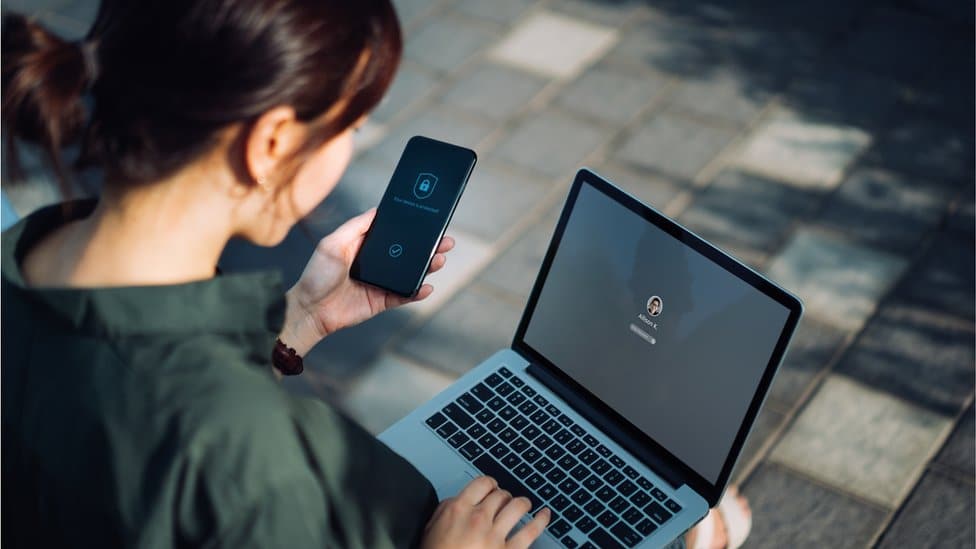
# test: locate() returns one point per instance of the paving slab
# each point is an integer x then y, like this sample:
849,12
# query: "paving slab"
916,144
426,45
412,84
390,390
495,91
439,123
722,94
498,11
766,424
469,256
495,199
471,327
861,440
749,211
630,92
958,452
836,92
554,45
552,143
360,188
942,279
963,217
412,11
812,348
515,270
673,145
920,356
938,514
803,151
839,282
652,189
885,210
791,511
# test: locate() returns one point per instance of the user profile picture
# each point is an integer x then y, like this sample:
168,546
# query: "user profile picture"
654,306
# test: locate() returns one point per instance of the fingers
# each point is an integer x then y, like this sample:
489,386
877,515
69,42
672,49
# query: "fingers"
511,513
494,501
437,263
446,245
357,226
524,537
477,489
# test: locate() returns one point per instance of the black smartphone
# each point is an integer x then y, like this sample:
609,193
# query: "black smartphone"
413,215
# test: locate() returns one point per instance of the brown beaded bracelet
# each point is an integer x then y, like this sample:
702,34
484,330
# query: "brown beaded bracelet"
286,360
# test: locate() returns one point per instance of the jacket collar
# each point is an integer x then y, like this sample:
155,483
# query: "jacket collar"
235,304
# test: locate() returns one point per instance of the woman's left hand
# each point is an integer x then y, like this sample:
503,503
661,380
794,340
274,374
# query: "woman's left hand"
325,299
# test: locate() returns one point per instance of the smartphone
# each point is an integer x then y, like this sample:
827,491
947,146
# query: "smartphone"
413,215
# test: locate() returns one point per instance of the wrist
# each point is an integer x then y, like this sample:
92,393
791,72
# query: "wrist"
300,332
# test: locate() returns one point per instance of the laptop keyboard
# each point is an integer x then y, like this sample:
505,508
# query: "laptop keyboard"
512,433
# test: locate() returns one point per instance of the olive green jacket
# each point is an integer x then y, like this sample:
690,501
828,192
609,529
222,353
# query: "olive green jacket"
149,417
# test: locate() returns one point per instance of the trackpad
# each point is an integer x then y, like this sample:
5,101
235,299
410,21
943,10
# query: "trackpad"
452,485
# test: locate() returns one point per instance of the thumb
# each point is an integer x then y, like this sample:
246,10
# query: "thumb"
355,227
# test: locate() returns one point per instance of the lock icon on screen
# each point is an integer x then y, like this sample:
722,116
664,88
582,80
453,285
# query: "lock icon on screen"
424,186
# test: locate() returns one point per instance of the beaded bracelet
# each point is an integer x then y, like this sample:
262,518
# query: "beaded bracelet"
286,360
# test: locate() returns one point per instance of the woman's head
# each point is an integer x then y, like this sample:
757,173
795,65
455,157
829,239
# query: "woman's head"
267,88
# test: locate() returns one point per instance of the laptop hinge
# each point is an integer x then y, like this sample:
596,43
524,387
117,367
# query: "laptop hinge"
605,424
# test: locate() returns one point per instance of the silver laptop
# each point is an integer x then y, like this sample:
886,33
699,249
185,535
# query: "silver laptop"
641,361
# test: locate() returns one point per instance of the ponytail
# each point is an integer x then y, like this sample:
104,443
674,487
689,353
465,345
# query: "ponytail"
44,80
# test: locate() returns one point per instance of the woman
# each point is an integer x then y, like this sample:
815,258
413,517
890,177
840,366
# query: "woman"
138,406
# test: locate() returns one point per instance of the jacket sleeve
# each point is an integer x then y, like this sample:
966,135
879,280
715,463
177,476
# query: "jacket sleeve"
379,499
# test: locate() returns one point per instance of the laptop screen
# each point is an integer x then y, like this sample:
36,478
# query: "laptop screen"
663,335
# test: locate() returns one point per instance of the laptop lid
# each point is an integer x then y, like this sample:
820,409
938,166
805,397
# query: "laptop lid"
672,342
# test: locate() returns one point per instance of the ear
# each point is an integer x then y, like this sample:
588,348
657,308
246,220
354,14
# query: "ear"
274,137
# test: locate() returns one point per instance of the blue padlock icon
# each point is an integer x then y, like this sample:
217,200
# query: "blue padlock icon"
424,186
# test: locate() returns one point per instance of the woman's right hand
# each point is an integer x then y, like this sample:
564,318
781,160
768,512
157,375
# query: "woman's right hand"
482,516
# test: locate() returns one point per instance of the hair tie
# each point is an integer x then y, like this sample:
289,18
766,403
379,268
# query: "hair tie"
89,53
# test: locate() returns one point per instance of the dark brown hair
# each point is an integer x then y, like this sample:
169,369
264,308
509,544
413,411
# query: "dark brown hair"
164,76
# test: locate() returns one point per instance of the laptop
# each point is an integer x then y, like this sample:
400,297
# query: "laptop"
641,361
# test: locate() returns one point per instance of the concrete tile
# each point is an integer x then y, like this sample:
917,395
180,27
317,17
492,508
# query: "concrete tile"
885,210
390,390
766,424
839,282
651,189
498,11
893,42
749,211
550,143
515,270
439,123
790,511
554,45
813,345
470,328
495,199
959,450
495,91
673,146
630,91
28,7
670,45
849,96
611,13
411,11
411,85
361,188
861,440
723,94
802,151
963,217
82,11
469,257
942,279
370,133
938,514
920,356
917,145
444,43
345,355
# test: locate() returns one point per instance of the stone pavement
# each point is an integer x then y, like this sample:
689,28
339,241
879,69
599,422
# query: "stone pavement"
828,143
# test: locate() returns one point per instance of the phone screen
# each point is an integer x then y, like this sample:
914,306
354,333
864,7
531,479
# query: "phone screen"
413,215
